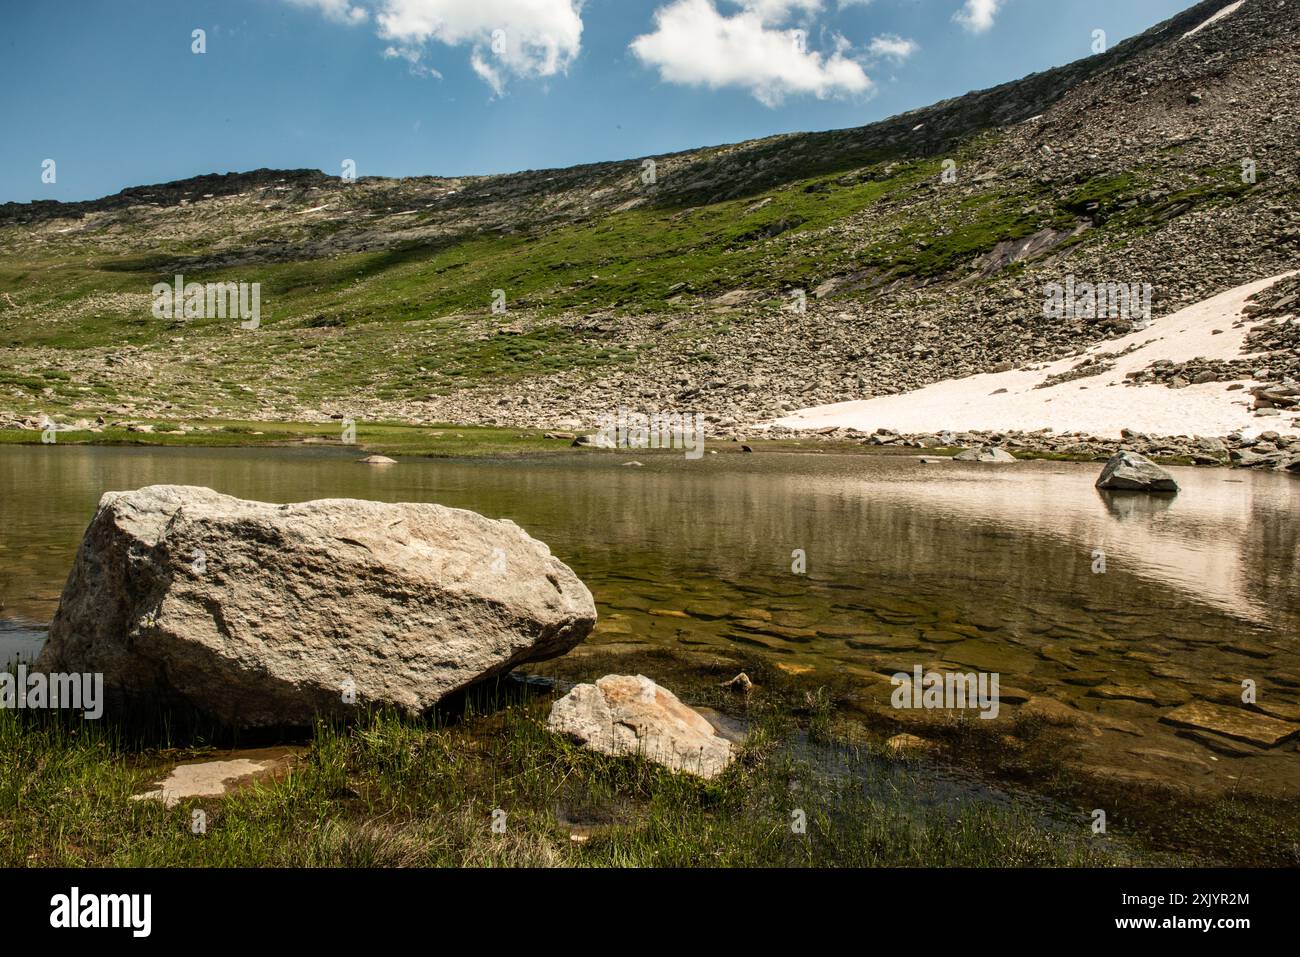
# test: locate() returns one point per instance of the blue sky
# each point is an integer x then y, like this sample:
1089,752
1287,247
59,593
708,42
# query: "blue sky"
111,90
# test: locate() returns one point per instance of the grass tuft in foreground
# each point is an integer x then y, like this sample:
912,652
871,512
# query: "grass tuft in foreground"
390,791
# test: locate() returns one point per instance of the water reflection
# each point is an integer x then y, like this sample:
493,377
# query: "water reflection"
1029,531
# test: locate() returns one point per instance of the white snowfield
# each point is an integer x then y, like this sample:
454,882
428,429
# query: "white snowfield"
1101,405
1227,11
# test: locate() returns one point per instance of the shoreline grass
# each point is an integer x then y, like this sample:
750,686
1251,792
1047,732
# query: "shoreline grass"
391,791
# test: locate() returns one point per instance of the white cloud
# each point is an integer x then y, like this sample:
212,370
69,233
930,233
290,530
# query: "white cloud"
695,45
341,10
526,38
506,38
894,46
977,15
413,58
778,11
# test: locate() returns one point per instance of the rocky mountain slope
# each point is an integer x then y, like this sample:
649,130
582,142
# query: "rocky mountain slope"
921,245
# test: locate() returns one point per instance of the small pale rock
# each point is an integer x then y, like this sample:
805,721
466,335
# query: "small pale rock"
631,715
740,684
907,744
987,455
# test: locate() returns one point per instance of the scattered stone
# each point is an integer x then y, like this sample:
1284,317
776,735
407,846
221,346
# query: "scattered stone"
1217,743
1231,723
1278,709
1174,757
1123,693
901,744
1053,712
740,684
1009,695
986,455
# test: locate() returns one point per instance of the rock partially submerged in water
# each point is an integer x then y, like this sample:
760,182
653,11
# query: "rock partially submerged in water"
377,460
1130,472
265,615
1236,723
630,714
986,454
905,744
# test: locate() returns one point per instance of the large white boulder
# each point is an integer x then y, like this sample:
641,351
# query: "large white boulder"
262,614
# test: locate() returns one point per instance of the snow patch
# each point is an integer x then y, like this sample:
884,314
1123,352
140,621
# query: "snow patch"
1100,405
1227,11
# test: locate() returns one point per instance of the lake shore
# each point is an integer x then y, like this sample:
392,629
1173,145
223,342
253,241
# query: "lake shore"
445,440
1091,667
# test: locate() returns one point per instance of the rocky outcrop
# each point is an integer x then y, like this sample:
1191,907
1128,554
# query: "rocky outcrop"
631,715
261,614
1268,448
1131,472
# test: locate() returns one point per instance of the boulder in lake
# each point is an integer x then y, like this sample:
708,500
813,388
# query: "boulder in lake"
630,714
263,615
1130,472
377,460
986,454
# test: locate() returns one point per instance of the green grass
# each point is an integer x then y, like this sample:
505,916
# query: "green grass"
386,790
628,260
439,441
1120,201
414,322
397,792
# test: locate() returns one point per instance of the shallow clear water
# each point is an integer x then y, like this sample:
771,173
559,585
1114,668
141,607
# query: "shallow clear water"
941,565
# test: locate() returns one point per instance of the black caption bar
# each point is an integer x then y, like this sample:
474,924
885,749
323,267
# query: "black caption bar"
333,907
